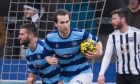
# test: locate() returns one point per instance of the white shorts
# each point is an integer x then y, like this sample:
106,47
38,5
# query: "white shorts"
84,78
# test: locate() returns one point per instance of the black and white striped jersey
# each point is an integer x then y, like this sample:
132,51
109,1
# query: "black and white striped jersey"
127,49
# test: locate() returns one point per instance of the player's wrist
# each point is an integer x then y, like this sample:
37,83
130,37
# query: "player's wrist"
101,74
31,80
48,58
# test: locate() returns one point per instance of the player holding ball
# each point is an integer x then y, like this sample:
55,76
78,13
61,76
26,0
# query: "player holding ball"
65,43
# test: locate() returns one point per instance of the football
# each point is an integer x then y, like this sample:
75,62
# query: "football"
88,45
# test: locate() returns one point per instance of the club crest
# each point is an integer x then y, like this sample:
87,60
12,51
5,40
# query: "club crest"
38,56
74,43
130,39
56,45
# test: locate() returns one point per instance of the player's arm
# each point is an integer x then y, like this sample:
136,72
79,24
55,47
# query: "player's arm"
52,60
31,78
106,60
49,54
99,50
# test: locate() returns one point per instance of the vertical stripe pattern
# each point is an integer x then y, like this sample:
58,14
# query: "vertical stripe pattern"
127,48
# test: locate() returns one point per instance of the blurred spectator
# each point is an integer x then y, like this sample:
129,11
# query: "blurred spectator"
2,35
134,13
2,31
33,13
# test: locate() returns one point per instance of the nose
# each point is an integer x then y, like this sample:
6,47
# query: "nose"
65,24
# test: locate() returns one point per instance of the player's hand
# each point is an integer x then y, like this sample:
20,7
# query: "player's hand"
52,60
31,78
60,82
101,79
91,55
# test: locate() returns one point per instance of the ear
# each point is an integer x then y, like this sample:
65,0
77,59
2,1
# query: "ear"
123,19
30,35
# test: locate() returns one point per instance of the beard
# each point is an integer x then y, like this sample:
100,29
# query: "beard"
118,26
25,42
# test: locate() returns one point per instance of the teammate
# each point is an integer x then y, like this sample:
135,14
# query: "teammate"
35,55
126,43
33,13
65,43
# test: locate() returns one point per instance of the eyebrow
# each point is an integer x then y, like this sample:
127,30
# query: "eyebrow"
64,21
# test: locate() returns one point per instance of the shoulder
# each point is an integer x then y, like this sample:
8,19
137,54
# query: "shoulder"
134,29
41,42
77,30
27,52
114,32
52,34
80,32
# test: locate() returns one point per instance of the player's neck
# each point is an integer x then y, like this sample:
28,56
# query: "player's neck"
33,43
64,34
124,28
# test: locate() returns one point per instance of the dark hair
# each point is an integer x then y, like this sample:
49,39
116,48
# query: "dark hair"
33,4
122,12
59,12
138,1
30,28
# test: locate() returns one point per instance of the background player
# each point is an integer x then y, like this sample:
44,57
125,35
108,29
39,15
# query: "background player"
35,55
125,41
